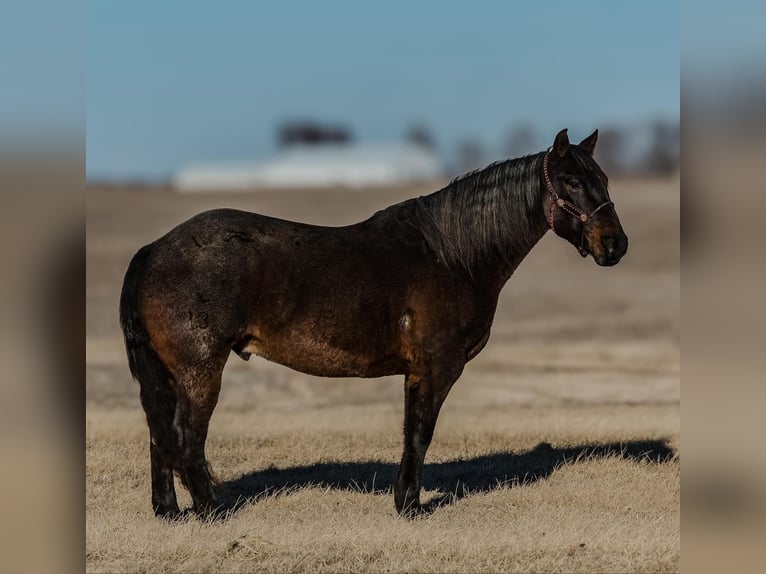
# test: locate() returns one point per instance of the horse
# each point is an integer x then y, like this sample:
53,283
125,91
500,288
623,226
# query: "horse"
410,291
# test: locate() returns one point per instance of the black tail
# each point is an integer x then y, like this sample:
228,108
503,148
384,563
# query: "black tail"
157,395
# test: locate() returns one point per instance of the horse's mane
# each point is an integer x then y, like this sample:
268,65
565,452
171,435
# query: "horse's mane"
482,215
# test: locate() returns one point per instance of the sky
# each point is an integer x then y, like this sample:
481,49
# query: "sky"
173,83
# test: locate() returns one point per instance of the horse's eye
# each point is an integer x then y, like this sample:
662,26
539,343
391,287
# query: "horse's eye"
575,185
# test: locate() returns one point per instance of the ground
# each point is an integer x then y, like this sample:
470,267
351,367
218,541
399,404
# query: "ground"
557,450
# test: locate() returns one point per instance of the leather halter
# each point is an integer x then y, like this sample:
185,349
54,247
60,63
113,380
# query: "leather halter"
569,207
565,205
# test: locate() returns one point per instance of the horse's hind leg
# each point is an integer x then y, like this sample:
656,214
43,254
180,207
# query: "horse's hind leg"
159,402
198,395
163,490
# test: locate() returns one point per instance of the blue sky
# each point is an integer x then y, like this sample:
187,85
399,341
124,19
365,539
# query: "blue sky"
173,83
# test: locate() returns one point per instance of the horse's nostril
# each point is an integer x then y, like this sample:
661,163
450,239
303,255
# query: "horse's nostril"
608,242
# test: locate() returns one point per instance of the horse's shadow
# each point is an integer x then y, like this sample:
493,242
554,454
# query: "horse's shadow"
456,478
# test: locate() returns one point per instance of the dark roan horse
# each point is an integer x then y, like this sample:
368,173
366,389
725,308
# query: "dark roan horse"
412,290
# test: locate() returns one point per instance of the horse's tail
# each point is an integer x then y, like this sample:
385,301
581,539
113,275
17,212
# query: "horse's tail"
157,395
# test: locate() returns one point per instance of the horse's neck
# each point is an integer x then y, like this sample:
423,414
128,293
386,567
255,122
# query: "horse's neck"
492,224
495,274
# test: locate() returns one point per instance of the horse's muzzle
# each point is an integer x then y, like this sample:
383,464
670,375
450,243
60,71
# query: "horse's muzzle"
613,247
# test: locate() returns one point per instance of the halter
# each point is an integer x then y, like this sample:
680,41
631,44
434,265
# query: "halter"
569,207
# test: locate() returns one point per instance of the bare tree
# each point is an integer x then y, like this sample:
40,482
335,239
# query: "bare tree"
521,141
610,150
663,154
420,135
470,155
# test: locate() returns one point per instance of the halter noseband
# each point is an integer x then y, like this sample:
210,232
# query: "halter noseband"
568,206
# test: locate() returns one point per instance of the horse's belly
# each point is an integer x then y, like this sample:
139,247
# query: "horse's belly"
315,357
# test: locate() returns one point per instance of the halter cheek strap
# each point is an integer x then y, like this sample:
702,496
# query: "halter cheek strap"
565,205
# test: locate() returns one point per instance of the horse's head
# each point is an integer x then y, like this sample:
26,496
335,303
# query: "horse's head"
577,201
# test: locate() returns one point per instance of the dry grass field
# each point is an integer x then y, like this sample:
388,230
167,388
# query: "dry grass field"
558,449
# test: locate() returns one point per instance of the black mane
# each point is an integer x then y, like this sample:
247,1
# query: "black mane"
494,212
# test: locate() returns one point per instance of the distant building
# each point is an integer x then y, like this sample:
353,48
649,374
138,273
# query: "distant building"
328,165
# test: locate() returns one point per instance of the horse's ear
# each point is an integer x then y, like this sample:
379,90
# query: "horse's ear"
561,143
589,143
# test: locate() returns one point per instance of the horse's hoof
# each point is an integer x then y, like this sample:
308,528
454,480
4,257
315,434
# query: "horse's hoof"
169,513
407,507
209,511
412,510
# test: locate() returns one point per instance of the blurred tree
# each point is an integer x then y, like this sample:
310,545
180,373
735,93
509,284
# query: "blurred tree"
470,155
744,111
610,149
419,134
663,154
311,133
521,141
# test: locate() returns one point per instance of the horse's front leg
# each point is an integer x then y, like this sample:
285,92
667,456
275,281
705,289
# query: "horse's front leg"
423,398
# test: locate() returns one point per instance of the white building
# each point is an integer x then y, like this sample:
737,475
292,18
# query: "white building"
347,165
